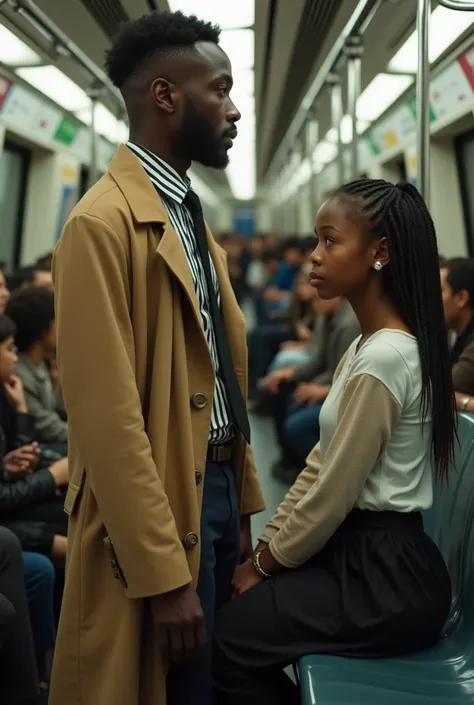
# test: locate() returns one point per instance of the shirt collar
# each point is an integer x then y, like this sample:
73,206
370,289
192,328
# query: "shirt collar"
162,175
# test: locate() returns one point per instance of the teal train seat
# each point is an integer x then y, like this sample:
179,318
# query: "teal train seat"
444,674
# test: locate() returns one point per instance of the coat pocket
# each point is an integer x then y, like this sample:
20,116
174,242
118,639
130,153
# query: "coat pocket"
72,495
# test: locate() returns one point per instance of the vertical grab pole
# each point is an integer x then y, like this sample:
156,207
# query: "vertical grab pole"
311,141
423,100
354,66
336,119
94,93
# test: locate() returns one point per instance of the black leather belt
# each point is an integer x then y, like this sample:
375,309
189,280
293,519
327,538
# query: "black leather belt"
219,454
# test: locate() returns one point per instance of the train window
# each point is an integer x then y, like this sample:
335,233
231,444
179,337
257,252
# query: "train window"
465,160
14,162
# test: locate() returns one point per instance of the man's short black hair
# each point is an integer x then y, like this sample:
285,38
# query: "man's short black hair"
270,254
158,32
7,328
26,275
461,275
32,312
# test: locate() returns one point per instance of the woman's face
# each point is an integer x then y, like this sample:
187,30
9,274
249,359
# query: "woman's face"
4,293
344,256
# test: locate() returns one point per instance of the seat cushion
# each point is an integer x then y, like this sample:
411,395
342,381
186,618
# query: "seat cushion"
444,675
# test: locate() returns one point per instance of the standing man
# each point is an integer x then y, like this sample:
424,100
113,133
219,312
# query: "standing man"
153,364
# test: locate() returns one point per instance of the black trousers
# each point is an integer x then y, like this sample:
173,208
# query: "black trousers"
191,683
378,588
18,674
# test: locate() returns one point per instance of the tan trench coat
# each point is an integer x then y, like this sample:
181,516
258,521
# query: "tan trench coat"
138,384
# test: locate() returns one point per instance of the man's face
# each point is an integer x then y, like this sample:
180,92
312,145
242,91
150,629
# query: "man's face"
43,279
208,116
453,303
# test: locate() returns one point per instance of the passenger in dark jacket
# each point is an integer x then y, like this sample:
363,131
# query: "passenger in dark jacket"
31,495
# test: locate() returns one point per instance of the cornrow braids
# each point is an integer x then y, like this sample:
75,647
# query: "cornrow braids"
399,214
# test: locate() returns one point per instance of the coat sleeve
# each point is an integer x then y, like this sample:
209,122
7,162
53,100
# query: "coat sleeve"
358,442
252,498
96,365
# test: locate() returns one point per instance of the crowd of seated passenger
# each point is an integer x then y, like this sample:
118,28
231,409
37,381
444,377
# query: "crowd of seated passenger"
33,479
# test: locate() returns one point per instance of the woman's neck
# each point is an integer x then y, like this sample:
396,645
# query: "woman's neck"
35,355
375,311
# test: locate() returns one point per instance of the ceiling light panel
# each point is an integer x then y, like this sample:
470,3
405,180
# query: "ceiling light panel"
239,45
57,86
380,94
14,52
444,28
227,15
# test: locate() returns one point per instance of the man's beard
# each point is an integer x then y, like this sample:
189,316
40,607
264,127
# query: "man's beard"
197,140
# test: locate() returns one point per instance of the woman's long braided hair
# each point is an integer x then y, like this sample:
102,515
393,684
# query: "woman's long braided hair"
412,282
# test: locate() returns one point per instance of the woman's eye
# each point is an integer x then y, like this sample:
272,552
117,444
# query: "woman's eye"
329,242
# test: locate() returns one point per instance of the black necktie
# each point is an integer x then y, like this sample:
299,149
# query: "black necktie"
227,370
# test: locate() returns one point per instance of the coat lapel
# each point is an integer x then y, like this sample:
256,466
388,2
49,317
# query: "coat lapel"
147,208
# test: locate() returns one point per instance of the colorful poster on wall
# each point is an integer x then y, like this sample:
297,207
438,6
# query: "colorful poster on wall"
5,85
20,108
244,221
67,131
412,108
466,62
67,202
450,91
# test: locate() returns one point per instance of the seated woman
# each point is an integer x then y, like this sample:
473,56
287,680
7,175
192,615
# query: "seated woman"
31,495
344,567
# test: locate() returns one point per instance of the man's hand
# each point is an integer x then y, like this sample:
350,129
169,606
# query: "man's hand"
274,379
303,332
180,621
246,548
22,460
310,394
16,394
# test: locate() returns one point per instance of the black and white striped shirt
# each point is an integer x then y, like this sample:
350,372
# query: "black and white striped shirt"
173,189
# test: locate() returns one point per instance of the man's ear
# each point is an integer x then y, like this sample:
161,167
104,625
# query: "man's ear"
164,94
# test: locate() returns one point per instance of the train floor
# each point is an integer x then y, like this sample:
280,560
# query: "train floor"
266,453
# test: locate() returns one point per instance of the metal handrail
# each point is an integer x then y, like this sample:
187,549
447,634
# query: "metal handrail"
457,5
39,19
357,24
423,100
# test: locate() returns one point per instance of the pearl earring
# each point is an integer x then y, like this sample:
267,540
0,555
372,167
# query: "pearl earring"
378,266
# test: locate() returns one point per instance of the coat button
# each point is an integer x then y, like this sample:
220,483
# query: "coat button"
191,540
199,401
198,478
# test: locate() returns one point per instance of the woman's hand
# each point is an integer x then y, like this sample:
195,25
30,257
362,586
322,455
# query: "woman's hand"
22,461
245,578
274,379
16,394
